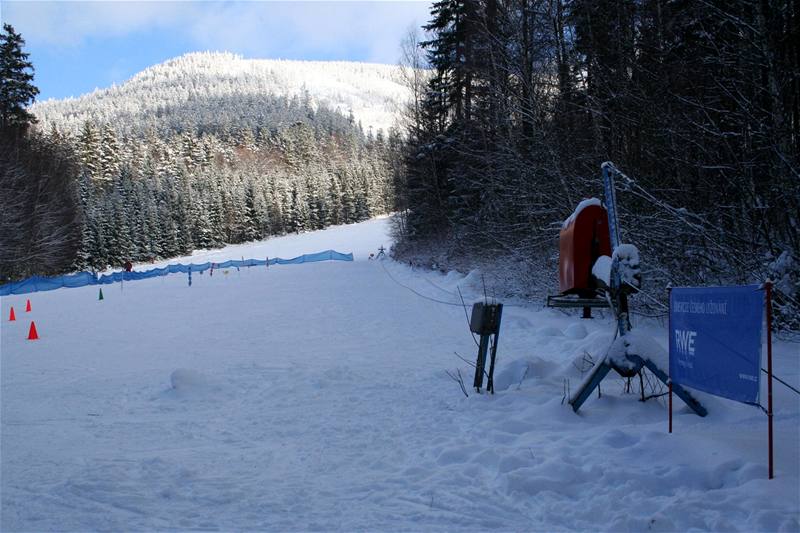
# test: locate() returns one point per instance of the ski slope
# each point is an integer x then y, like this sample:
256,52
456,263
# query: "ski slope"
314,397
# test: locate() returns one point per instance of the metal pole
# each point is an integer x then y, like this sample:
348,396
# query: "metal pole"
670,406
768,286
490,384
669,348
611,201
480,364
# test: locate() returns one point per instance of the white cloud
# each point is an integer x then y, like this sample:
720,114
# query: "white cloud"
369,30
71,23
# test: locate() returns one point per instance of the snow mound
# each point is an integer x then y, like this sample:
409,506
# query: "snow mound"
453,278
472,282
188,382
576,331
512,374
520,370
550,331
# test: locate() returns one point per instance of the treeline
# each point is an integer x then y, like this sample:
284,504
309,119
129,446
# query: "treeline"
697,102
153,197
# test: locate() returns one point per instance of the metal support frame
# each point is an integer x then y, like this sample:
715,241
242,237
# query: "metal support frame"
572,302
602,369
620,309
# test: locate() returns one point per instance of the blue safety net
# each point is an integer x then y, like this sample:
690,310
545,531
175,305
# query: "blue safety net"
81,279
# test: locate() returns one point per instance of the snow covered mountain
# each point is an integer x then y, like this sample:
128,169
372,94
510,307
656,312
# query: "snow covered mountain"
371,92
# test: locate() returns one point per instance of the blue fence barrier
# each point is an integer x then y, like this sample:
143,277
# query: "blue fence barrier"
82,279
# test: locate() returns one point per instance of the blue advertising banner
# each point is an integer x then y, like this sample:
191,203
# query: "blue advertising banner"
715,340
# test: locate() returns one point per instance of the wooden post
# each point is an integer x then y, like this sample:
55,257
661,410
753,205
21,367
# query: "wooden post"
768,286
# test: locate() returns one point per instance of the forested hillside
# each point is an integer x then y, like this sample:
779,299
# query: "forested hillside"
159,196
223,91
200,151
697,102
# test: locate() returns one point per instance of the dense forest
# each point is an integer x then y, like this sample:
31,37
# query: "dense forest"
163,196
698,103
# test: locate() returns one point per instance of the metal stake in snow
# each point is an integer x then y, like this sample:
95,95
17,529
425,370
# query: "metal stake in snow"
768,288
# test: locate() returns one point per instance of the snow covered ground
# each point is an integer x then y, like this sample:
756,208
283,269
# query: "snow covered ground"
314,397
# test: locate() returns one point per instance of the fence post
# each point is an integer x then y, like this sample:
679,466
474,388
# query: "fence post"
768,286
669,350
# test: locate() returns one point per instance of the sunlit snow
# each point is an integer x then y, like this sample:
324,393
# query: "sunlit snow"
315,397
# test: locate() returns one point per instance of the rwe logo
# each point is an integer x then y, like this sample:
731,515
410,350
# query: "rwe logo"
684,340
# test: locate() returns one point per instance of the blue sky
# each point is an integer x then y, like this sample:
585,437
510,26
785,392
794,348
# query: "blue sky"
79,46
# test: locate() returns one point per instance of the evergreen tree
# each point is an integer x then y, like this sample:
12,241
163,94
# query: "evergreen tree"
362,211
349,207
334,212
89,150
298,210
450,54
250,219
16,88
109,154
202,234
83,258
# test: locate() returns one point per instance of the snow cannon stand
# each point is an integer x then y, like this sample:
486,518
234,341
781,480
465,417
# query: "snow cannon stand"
485,321
596,269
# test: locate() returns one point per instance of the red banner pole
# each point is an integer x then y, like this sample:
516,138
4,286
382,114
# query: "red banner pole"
670,406
669,348
768,286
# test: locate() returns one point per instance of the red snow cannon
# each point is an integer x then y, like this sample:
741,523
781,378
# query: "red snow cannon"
584,237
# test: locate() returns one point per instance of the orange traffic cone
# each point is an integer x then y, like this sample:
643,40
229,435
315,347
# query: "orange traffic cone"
28,307
12,317
32,334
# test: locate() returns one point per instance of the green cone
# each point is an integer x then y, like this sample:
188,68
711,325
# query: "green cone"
101,295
